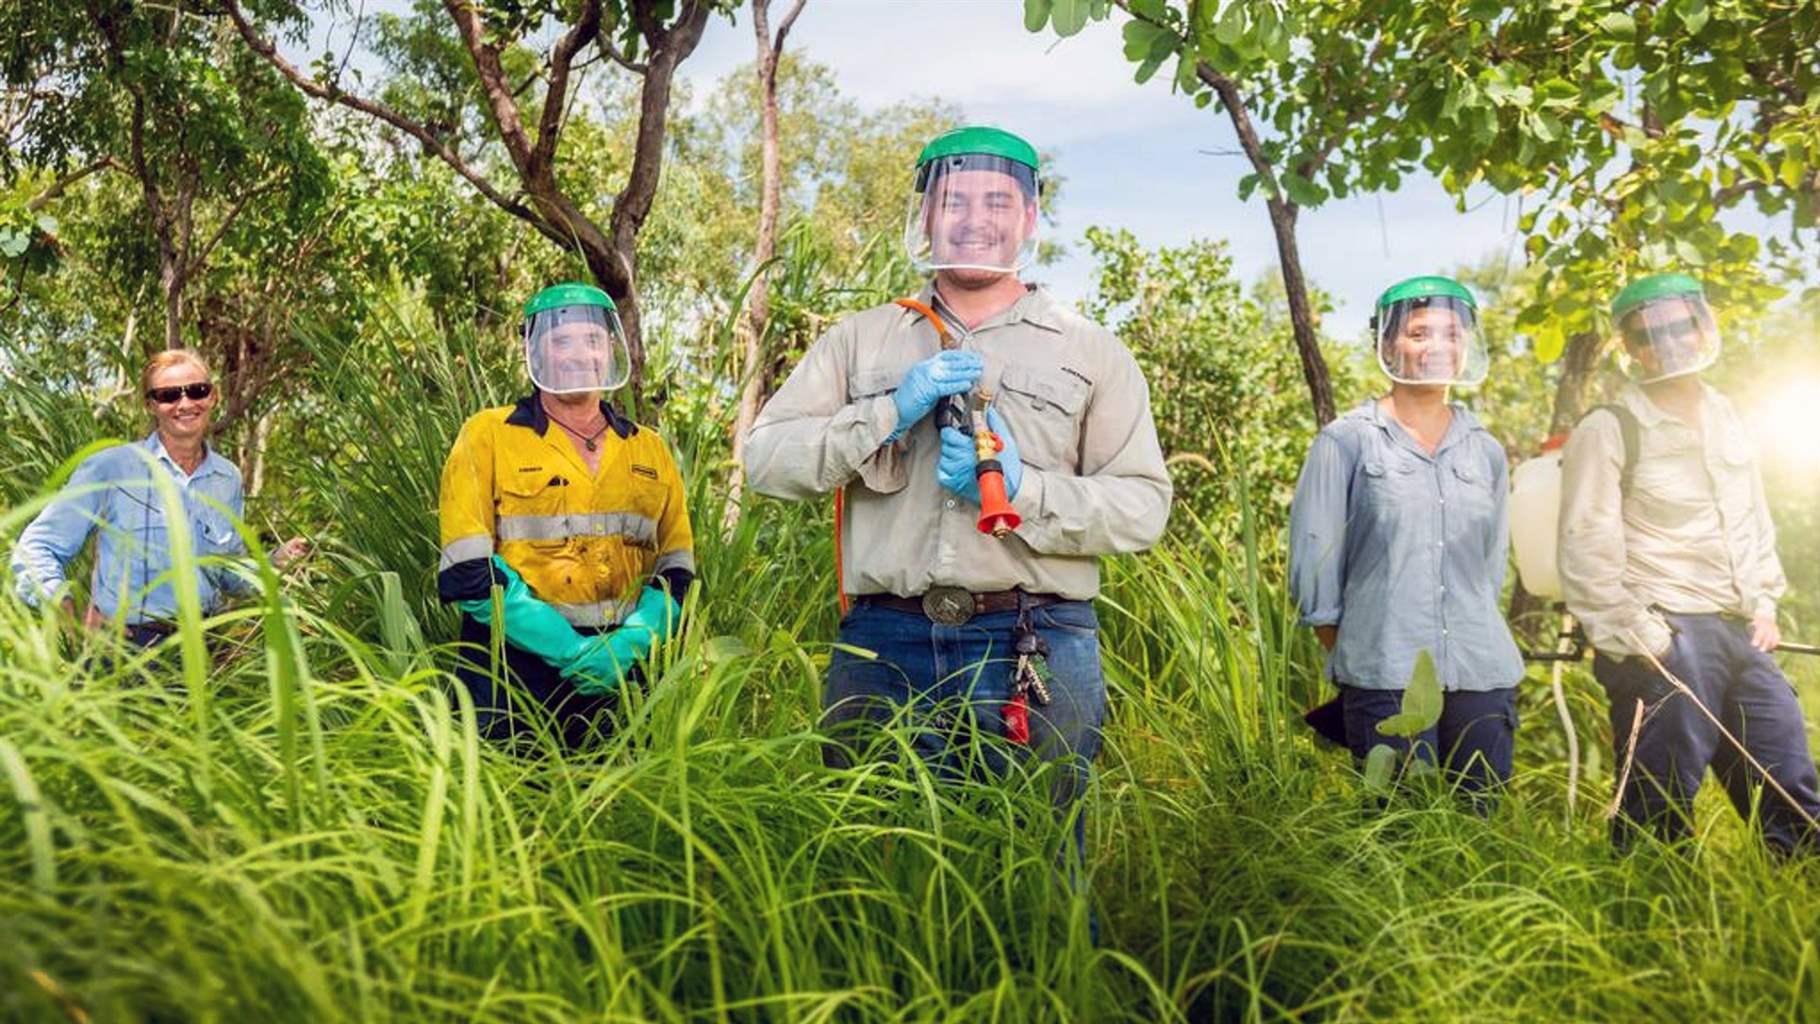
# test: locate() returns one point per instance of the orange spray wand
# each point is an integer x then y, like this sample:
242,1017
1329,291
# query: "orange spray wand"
997,517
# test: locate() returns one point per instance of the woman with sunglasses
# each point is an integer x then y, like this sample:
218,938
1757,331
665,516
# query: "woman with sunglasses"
113,493
1398,536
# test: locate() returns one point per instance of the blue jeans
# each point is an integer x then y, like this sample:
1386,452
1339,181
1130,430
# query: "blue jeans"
1747,691
1474,737
950,683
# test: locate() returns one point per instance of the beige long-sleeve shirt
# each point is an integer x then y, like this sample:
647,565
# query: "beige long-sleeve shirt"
1693,535
1072,398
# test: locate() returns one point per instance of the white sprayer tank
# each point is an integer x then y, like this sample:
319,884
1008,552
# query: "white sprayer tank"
1535,505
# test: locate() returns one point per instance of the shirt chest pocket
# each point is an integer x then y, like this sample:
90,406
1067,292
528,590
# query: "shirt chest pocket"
1043,410
1391,484
531,506
1469,486
1736,479
212,530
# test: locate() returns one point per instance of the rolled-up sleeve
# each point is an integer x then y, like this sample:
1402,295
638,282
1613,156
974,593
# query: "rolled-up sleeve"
1497,555
1317,532
1591,546
810,438
1120,500
1770,581
465,516
46,546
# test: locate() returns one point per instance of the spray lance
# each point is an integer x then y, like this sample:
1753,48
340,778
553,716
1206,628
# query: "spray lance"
967,414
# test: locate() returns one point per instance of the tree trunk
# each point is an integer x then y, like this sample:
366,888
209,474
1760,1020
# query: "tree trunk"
758,310
1282,223
1301,316
1577,365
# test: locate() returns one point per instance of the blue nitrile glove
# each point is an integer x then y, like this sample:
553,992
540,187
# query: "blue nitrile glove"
948,372
955,468
531,624
604,660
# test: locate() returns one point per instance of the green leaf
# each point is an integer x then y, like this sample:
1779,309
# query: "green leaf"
47,223
1303,192
1143,40
1070,16
13,243
1619,24
1247,185
1380,761
1147,70
719,649
1550,342
1421,701
1036,14
1694,14
1231,26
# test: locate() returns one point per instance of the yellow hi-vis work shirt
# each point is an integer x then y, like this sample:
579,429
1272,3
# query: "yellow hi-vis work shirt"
585,543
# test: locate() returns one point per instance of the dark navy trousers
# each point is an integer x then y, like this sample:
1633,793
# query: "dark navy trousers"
529,694
1472,742
1745,689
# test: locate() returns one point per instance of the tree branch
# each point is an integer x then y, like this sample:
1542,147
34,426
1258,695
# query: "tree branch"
1228,91
549,126
612,52
200,259
492,75
431,142
668,48
783,29
56,188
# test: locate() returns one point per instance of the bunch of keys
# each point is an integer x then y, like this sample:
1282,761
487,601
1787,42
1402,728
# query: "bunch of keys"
1029,680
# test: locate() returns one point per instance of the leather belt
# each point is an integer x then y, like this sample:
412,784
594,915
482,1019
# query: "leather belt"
953,606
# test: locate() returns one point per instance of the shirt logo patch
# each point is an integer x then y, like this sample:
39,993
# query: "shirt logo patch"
647,472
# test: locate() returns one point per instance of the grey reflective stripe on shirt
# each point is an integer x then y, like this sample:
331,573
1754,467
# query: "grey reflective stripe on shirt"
465,549
683,559
635,528
595,613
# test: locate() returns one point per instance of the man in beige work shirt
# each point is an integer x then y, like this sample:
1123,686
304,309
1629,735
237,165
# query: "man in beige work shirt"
949,610
1667,552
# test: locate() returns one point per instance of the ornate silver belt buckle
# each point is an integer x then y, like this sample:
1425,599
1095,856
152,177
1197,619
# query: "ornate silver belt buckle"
950,606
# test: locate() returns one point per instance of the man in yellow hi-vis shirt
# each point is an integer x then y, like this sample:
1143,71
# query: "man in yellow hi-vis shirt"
577,514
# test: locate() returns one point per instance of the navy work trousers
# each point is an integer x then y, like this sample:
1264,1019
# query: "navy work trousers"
1747,692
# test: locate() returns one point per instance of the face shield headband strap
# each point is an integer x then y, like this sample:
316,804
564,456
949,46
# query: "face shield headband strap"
1023,173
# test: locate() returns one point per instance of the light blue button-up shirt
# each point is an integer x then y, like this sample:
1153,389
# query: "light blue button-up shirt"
112,491
1403,550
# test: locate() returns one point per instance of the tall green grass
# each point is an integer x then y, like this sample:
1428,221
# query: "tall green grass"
325,838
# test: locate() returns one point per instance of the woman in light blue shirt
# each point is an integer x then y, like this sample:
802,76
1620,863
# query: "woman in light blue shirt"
112,493
1398,540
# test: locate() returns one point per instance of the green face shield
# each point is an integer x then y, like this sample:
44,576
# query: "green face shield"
973,203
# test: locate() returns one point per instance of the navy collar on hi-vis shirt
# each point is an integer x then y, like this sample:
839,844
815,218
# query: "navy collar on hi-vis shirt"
529,412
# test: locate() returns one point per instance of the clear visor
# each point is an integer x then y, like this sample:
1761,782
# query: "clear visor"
573,349
972,211
1669,337
1431,340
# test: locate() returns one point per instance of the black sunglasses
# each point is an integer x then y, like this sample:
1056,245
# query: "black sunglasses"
1642,335
193,392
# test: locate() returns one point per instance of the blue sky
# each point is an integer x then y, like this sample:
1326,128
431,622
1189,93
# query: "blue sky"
1132,156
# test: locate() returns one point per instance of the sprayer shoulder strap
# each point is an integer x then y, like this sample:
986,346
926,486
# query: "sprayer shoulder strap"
1628,429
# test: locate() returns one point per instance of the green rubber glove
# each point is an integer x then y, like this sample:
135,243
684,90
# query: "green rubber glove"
603,661
531,624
